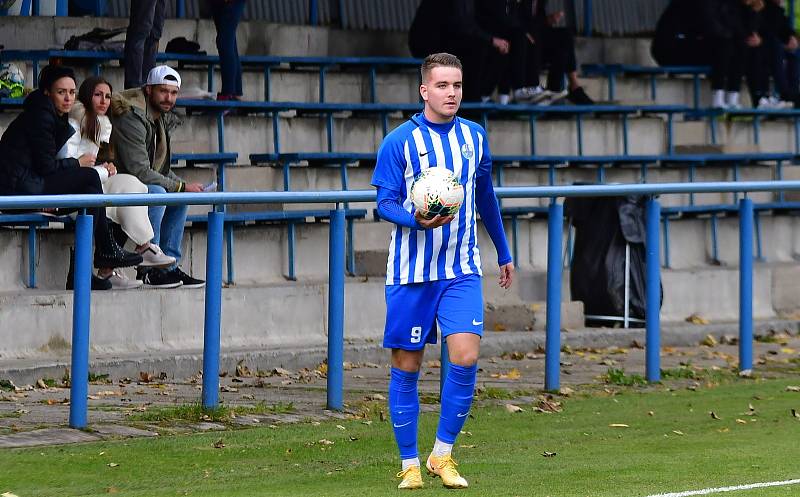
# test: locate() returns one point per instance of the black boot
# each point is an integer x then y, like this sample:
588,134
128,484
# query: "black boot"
112,255
97,283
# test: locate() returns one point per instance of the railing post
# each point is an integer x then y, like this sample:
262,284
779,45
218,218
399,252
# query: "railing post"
180,9
745,284
653,291
336,310
313,12
61,8
555,228
213,310
81,311
587,17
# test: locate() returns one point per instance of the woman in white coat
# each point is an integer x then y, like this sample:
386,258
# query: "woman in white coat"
93,129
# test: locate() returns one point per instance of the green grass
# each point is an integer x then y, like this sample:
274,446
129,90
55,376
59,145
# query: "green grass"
593,459
616,376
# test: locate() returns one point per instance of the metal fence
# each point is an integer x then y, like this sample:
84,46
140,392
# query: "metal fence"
336,287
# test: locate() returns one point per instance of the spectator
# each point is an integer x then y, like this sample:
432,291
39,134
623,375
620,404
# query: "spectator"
705,32
551,46
143,123
506,71
781,42
227,14
29,166
145,25
92,129
451,26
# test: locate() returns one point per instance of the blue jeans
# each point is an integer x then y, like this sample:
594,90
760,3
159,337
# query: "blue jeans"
226,19
168,223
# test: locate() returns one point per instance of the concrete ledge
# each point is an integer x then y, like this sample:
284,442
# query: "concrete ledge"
181,364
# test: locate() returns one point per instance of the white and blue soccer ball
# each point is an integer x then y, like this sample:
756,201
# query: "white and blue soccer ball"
437,191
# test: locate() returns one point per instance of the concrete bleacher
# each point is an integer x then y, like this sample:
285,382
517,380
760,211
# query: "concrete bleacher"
694,283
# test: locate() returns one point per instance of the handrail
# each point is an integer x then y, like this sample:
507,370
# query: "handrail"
336,285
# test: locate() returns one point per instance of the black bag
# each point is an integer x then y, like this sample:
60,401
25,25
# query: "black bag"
183,46
603,227
97,40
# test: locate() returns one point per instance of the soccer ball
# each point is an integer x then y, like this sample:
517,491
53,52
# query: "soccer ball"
436,190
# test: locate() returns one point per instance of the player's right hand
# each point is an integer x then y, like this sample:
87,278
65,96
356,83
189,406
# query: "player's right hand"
432,223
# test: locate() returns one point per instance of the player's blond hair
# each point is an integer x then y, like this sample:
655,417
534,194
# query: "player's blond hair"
438,60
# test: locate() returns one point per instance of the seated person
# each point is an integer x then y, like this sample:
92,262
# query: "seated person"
553,47
29,166
143,123
93,129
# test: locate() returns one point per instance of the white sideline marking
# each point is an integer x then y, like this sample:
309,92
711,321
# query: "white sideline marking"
728,489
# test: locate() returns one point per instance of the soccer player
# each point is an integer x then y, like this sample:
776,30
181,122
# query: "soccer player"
433,273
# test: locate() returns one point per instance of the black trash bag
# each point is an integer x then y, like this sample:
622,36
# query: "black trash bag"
603,225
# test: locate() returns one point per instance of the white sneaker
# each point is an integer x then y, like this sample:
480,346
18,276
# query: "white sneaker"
153,256
718,99
504,99
777,103
121,282
765,103
531,94
732,101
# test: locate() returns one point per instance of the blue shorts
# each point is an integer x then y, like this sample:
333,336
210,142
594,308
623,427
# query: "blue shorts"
412,311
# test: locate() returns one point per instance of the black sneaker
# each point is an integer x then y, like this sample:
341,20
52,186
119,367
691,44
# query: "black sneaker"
97,283
579,97
158,278
188,281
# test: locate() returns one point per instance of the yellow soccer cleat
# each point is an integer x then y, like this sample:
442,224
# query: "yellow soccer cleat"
412,478
445,468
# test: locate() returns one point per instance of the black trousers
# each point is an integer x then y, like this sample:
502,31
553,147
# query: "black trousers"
472,52
82,180
553,48
506,72
141,40
723,55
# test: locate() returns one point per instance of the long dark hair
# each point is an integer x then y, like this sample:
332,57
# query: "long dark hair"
90,127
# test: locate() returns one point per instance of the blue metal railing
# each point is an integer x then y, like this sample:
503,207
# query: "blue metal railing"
336,280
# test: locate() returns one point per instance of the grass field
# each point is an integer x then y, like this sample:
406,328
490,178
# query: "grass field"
671,444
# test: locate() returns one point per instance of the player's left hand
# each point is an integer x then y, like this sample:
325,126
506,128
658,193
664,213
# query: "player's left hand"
506,275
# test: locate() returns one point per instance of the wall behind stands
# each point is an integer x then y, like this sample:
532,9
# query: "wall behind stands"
610,17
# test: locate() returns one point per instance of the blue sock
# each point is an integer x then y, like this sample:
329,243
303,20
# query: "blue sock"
459,386
404,410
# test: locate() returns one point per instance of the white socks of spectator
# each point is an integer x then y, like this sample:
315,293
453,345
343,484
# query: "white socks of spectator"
732,100
410,462
504,99
718,99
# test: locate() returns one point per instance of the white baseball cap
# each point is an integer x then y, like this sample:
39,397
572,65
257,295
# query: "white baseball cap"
163,75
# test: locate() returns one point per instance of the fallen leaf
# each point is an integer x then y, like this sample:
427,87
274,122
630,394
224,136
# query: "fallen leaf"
678,432
514,374
566,391
795,414
791,388
709,341
242,370
145,377
374,396
112,465
219,444
546,405
93,397
513,408
341,427
549,454
741,421
226,388
282,372
41,384
467,446
713,415
651,413
697,319
248,396
618,425
787,350
325,441
112,490
8,494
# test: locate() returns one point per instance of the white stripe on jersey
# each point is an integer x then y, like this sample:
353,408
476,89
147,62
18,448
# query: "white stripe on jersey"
404,247
438,232
469,201
424,163
450,255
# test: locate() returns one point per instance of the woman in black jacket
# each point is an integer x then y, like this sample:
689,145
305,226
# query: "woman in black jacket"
28,163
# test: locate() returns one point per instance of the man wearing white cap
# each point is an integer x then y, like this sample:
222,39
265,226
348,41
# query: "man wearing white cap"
143,121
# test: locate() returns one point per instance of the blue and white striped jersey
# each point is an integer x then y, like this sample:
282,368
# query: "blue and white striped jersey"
417,256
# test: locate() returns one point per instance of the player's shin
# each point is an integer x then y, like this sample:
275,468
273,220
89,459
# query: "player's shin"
457,393
404,411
